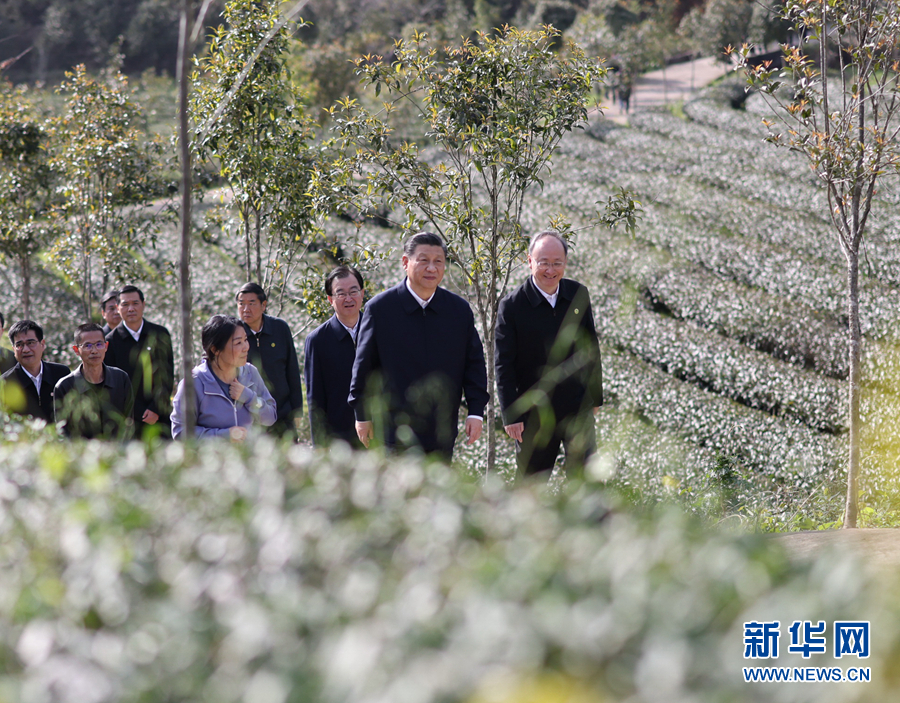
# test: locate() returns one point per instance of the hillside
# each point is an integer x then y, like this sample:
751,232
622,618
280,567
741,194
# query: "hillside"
724,316
722,319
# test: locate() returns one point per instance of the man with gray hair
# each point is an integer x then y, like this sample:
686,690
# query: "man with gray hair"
548,362
417,354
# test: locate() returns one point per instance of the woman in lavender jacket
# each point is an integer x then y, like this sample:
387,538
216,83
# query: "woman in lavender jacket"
230,394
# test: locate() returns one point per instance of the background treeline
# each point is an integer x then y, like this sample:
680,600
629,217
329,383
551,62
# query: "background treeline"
60,34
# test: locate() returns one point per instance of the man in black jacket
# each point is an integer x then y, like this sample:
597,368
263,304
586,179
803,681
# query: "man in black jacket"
273,353
28,386
95,400
548,362
143,350
109,311
7,358
417,353
328,361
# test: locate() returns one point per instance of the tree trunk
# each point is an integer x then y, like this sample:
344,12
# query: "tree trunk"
86,292
851,511
489,420
25,261
249,267
184,56
259,276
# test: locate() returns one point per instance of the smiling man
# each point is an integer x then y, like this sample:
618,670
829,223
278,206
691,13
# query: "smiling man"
28,386
548,362
417,354
328,363
95,400
273,353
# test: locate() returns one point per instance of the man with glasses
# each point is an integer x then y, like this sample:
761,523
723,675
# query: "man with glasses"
328,363
7,358
548,362
143,350
28,386
417,354
273,353
95,401
109,311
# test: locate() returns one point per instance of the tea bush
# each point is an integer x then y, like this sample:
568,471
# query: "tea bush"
270,573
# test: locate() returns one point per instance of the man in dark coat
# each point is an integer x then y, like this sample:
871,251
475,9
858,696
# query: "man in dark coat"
7,358
143,350
28,386
273,353
417,353
95,400
328,362
109,311
548,362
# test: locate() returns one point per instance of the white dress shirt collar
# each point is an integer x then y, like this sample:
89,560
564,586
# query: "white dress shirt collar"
352,330
136,335
420,301
36,380
550,298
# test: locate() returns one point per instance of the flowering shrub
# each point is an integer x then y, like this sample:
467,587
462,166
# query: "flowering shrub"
272,574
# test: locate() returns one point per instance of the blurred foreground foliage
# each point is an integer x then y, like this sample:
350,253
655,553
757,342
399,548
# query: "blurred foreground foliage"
273,573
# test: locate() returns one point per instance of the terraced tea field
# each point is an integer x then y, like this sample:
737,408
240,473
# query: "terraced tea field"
723,318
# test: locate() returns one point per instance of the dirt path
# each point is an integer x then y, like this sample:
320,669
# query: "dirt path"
674,83
879,547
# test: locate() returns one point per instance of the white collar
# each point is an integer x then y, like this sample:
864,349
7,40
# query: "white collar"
551,298
136,335
351,330
35,379
420,301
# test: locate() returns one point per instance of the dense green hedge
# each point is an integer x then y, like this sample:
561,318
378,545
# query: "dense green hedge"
272,574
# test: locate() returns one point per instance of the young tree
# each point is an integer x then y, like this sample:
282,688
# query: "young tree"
494,112
249,117
27,182
108,174
846,124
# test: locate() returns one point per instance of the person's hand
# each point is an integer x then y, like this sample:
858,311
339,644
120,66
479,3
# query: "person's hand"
235,389
237,433
149,417
473,429
515,430
365,432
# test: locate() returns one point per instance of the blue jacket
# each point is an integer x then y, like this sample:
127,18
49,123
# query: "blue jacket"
216,412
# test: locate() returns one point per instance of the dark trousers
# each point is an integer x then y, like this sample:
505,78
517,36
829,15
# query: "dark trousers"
543,436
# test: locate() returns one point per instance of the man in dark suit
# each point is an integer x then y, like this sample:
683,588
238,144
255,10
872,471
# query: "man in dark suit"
7,358
548,362
273,353
28,386
328,364
143,350
417,353
109,311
